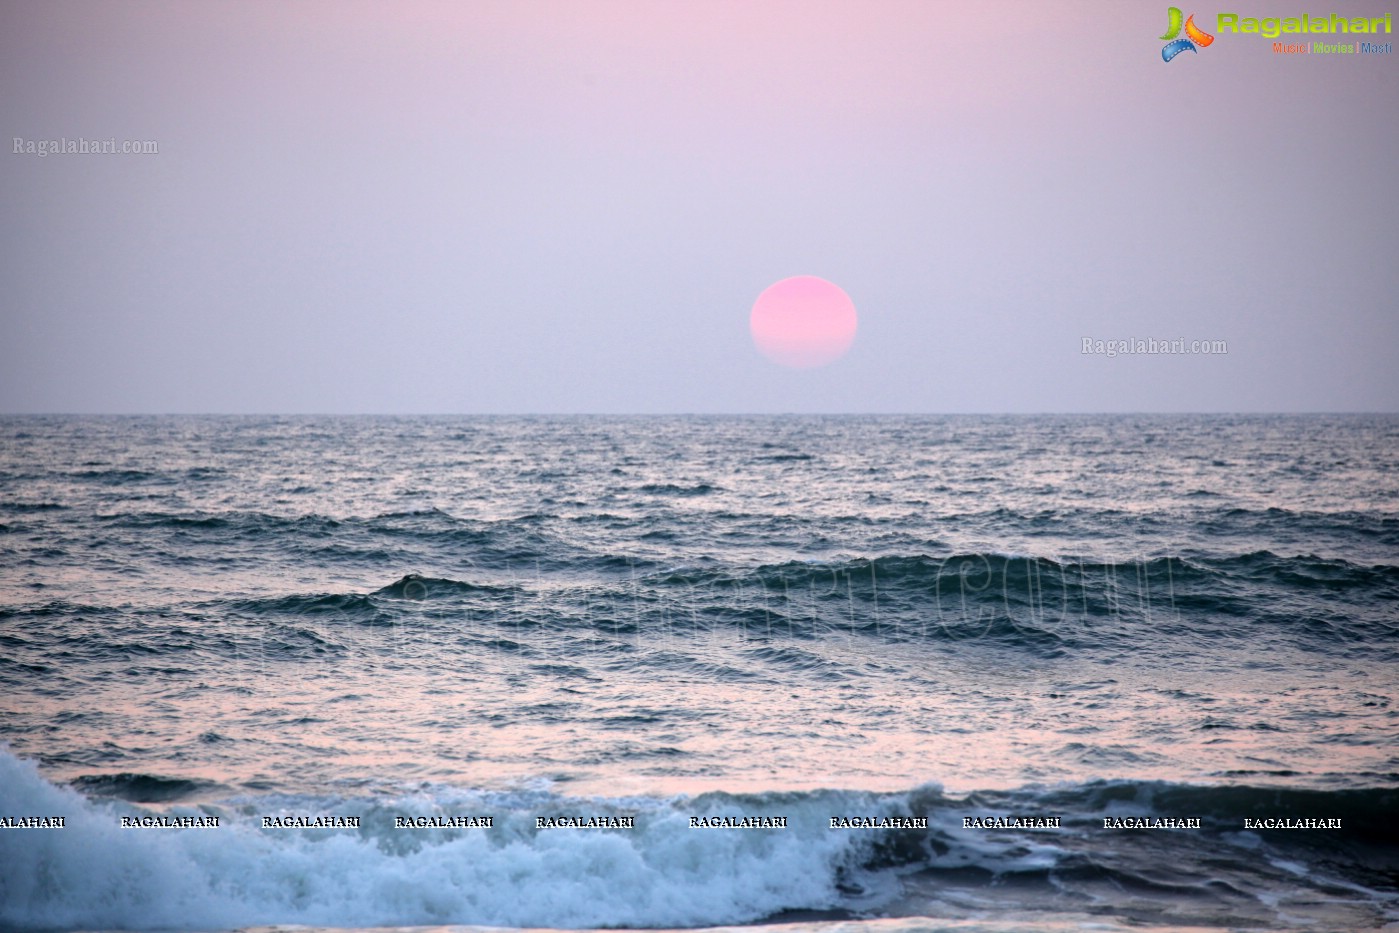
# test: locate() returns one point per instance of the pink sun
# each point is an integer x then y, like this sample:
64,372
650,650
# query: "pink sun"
803,322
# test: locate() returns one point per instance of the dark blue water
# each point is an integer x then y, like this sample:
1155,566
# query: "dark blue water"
936,616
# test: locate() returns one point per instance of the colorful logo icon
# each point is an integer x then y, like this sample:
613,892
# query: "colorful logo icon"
1193,36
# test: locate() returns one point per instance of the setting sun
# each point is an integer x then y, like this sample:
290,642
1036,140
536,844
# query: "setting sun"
803,322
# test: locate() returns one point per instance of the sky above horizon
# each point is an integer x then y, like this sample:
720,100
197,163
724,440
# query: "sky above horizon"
501,207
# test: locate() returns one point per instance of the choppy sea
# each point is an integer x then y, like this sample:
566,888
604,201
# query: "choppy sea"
961,620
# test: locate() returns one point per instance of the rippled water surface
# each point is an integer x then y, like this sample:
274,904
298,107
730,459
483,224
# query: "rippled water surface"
920,614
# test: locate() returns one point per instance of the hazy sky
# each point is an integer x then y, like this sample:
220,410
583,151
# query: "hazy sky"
572,206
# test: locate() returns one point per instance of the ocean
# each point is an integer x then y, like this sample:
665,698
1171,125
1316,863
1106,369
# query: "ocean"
892,674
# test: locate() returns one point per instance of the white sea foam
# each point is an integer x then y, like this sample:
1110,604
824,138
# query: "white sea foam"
95,874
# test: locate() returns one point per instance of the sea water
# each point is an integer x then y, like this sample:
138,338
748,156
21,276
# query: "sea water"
957,620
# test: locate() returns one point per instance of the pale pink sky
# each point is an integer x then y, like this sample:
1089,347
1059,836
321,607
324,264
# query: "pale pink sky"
572,206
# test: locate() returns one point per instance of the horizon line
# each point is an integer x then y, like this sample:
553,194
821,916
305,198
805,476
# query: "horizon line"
678,414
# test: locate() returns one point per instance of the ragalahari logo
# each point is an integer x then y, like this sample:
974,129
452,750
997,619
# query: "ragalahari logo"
1193,36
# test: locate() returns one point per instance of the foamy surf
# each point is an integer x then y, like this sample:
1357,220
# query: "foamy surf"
665,872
